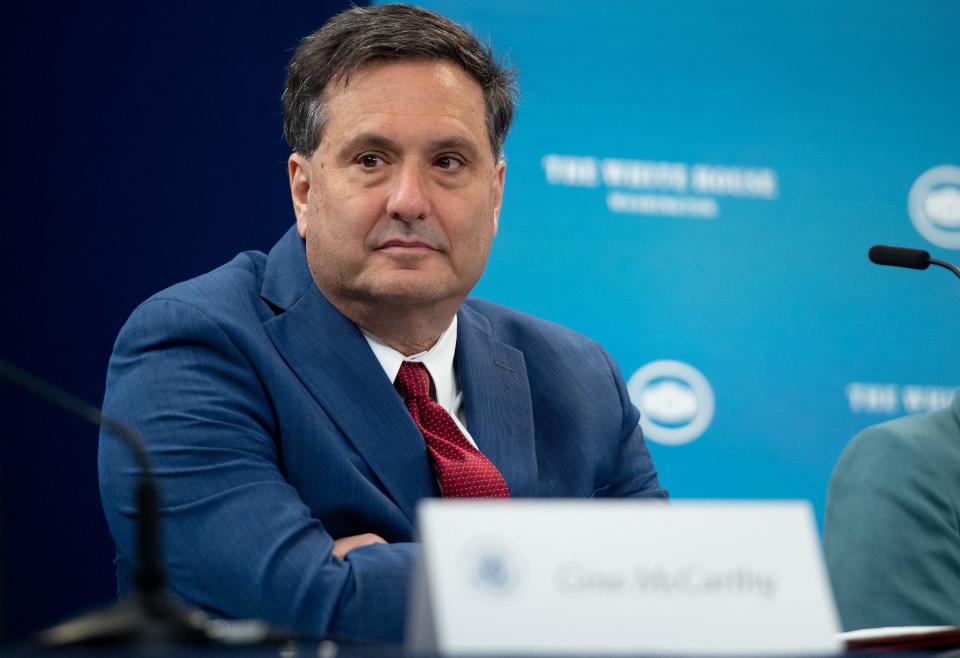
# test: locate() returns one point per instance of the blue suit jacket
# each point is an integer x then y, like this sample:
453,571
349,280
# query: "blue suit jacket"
274,430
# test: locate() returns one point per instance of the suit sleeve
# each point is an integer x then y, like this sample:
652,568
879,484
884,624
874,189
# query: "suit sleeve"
890,536
635,475
237,539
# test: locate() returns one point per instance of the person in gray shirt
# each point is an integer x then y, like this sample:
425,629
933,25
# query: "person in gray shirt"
892,534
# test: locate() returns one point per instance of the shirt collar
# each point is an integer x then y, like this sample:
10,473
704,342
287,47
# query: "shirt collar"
438,360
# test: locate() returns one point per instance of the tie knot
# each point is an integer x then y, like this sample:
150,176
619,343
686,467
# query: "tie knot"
413,380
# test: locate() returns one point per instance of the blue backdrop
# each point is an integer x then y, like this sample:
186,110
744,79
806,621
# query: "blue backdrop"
693,184
696,184
142,146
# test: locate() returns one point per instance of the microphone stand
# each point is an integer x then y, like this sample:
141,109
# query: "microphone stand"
945,264
150,615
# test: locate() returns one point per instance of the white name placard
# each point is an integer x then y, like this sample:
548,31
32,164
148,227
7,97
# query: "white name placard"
620,577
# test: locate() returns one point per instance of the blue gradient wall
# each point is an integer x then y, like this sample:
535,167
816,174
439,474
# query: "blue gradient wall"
688,181
696,184
142,146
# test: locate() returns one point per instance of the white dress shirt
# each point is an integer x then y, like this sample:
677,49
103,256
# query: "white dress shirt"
438,361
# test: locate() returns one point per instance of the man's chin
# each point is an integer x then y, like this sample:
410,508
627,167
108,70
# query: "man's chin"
407,295
409,291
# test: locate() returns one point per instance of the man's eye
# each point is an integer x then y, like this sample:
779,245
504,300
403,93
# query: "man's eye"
448,162
369,160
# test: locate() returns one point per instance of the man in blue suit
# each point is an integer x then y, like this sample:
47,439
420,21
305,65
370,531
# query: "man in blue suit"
299,404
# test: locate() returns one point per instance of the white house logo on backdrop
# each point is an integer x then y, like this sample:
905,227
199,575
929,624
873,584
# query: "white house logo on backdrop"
934,206
675,400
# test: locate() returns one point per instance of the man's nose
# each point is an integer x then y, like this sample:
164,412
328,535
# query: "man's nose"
409,200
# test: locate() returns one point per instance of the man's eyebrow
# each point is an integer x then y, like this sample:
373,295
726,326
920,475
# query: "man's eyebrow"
367,140
371,140
455,144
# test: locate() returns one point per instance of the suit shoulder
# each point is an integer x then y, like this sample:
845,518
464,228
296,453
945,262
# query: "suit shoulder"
221,293
936,432
521,329
223,301
928,443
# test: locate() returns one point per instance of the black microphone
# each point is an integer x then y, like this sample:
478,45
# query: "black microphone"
151,615
915,259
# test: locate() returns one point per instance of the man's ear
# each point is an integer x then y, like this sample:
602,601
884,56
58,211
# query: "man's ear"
498,193
301,174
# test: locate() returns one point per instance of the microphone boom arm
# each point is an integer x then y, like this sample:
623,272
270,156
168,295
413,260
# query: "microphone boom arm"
944,264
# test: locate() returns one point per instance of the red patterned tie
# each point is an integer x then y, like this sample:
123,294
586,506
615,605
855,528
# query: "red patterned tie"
462,470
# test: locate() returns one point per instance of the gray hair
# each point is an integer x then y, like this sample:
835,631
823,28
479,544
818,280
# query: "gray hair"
387,32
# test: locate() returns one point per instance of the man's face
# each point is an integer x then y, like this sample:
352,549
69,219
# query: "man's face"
399,203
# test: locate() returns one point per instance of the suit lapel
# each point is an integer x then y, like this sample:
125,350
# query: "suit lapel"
333,360
496,393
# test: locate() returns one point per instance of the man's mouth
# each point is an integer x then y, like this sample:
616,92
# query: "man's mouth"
405,245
